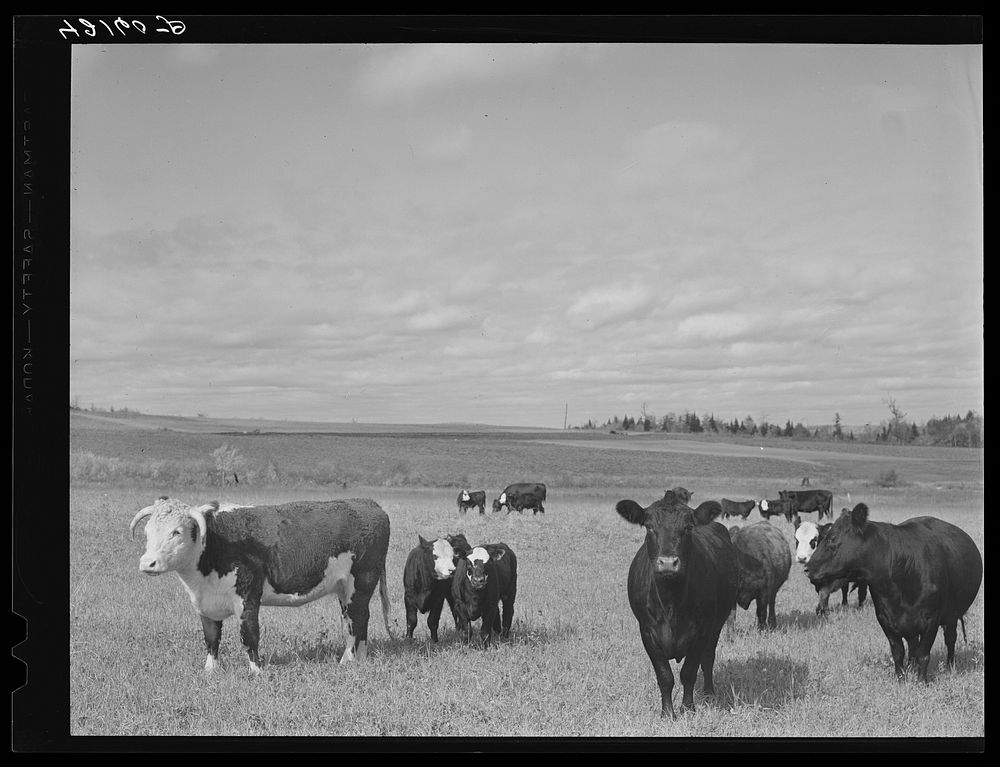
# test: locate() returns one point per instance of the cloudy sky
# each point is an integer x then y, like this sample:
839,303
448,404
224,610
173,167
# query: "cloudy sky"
487,233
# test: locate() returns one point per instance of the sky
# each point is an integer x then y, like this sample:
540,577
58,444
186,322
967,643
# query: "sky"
527,234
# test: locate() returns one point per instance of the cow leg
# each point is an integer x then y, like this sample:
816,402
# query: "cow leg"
950,635
823,607
707,667
661,667
772,618
355,615
434,618
491,618
843,594
761,613
862,593
689,673
923,655
411,618
895,643
213,633
250,632
508,615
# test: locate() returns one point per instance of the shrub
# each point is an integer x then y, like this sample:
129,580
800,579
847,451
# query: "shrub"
887,479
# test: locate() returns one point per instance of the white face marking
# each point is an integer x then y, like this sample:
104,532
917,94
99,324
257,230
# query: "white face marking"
465,495
479,554
444,559
806,537
336,579
169,542
763,505
213,596
503,498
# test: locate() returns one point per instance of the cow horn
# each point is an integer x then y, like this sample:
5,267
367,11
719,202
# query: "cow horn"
141,514
198,515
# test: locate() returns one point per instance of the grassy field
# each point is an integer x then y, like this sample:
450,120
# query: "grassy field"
574,666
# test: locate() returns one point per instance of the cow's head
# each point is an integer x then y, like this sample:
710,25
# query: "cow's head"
441,554
807,538
175,535
669,524
835,556
465,495
460,544
475,565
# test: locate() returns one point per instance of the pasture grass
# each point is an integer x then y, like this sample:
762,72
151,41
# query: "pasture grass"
574,666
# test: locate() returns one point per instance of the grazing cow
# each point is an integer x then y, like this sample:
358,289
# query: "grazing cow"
805,482
807,538
521,496
483,580
681,586
809,500
427,582
467,500
775,507
763,569
233,562
923,574
737,508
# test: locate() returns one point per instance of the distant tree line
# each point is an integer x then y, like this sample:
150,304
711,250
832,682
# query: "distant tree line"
956,431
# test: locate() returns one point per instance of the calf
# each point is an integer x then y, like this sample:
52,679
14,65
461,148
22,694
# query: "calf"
427,582
923,574
807,537
737,508
764,566
468,500
681,586
803,501
774,508
520,496
233,562
483,580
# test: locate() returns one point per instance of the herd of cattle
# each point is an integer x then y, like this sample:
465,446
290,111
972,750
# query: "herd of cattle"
684,582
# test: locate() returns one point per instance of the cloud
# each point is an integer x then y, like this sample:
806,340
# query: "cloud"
612,304
417,69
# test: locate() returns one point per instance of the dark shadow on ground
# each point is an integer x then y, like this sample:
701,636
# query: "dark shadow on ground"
764,681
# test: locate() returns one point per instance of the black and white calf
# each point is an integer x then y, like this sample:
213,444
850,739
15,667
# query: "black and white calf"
427,581
234,560
468,499
483,580
807,538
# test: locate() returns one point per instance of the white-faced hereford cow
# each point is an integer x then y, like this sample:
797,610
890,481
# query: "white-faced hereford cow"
483,580
807,538
468,499
520,496
765,559
427,579
681,586
232,562
923,574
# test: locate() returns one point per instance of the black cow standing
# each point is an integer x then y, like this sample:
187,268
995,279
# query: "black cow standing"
764,560
520,496
803,501
483,580
922,574
775,507
737,508
469,499
682,586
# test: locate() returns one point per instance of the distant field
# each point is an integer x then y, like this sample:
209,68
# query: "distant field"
575,664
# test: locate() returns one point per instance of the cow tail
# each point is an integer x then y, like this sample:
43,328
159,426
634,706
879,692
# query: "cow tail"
964,638
383,592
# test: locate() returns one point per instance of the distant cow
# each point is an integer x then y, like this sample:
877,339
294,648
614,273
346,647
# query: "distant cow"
468,500
809,500
764,560
681,586
923,573
737,508
807,538
233,562
483,580
775,507
427,578
521,496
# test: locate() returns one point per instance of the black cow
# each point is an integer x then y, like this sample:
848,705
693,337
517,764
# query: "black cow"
469,499
521,496
775,507
483,580
764,560
923,573
807,538
808,500
234,560
710,509
682,586
737,508
427,577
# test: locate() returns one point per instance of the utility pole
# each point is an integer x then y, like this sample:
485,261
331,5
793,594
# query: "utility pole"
565,415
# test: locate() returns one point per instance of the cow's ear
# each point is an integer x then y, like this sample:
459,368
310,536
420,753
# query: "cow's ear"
497,554
631,511
704,514
423,541
859,517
